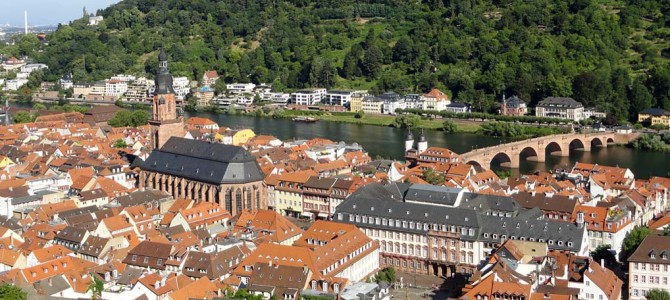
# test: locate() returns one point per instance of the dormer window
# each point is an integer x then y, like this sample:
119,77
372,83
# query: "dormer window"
664,255
652,254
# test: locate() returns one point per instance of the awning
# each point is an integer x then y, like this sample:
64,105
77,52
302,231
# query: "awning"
323,215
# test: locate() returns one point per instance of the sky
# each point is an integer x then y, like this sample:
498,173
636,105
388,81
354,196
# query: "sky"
47,12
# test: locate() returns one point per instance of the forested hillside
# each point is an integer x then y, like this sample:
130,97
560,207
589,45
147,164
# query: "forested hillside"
612,54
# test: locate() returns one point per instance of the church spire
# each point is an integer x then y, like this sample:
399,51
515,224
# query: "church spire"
163,78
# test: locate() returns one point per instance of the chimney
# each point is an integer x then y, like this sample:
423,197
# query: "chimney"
270,263
156,285
25,21
602,262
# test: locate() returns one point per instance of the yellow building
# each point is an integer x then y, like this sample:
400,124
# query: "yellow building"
235,137
5,161
372,105
661,120
649,114
356,103
289,192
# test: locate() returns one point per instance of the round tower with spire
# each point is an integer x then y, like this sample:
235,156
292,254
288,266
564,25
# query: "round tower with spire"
422,145
409,141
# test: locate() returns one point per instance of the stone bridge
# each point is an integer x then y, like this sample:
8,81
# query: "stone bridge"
536,149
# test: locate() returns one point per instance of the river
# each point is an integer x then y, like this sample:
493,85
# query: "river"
388,142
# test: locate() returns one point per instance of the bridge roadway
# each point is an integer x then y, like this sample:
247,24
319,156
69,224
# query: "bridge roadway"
536,149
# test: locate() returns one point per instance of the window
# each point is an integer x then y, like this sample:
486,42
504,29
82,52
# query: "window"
635,278
134,257
159,262
146,260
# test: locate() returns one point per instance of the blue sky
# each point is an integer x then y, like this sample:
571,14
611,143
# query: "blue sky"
47,12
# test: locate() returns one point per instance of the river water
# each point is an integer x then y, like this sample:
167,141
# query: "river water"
389,142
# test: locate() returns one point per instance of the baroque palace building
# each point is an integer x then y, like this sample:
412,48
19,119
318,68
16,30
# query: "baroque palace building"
199,170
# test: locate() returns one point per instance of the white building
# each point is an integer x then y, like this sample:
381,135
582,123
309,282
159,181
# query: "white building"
240,88
66,82
598,282
308,96
115,87
338,97
458,107
123,77
181,86
649,266
15,84
29,68
560,108
95,20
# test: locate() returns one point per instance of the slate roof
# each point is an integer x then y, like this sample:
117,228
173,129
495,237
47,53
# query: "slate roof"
654,112
558,235
433,194
389,202
655,244
565,102
142,197
93,246
72,234
204,161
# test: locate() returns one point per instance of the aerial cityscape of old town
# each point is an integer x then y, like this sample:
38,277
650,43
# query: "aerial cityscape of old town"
354,150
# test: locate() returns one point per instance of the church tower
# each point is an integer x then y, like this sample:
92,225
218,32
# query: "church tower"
165,122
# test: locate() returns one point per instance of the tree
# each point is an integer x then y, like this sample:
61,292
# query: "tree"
640,98
124,118
120,143
220,86
658,294
39,106
433,177
359,114
604,252
449,126
406,121
22,117
632,240
372,62
386,274
96,287
12,292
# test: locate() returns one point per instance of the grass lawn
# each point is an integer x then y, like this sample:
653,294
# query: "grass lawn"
386,120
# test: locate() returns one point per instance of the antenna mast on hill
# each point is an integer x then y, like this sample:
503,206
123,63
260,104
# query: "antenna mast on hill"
25,21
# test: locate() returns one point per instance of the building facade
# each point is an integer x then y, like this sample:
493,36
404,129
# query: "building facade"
649,267
560,108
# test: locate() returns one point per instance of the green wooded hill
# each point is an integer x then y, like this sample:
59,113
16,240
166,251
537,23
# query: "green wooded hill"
611,54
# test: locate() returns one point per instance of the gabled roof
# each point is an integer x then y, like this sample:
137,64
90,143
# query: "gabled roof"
204,162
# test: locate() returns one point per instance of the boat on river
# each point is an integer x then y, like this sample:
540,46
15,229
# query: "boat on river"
305,119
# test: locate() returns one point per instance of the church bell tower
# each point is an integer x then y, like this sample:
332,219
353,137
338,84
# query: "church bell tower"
165,122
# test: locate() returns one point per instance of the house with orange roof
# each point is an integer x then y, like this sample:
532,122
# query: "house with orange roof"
263,142
610,184
56,267
604,225
202,288
11,259
155,286
435,100
201,215
201,123
43,255
266,226
289,188
209,78
114,227
138,216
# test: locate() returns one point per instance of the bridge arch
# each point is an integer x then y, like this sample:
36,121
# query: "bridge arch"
529,153
577,144
474,163
610,141
504,160
554,148
597,142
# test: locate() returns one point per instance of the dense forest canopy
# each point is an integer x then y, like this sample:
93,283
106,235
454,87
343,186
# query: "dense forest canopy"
610,54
